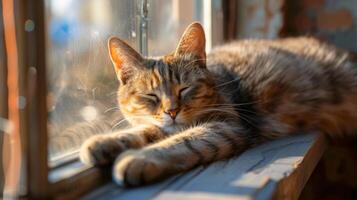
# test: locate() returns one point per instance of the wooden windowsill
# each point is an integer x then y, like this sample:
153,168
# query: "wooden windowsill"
75,179
275,170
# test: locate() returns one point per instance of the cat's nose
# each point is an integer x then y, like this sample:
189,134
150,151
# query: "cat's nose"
172,112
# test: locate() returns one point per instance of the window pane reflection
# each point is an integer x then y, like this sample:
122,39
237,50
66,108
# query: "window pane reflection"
167,21
81,80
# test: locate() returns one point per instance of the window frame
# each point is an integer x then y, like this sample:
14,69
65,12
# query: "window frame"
12,145
32,61
3,94
41,181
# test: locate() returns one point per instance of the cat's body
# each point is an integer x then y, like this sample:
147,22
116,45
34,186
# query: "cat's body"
187,110
294,83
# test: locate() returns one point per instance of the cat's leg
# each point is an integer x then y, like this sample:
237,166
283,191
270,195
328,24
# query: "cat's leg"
185,150
102,149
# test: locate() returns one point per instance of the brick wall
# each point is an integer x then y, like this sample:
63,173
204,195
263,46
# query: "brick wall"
331,20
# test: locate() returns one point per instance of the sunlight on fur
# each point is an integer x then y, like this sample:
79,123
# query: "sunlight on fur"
188,109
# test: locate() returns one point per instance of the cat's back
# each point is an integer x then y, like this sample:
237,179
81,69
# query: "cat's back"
248,51
288,61
294,81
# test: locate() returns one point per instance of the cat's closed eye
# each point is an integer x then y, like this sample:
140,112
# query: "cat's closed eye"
183,91
152,97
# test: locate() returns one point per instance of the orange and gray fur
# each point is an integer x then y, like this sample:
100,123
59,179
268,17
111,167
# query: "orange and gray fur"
188,109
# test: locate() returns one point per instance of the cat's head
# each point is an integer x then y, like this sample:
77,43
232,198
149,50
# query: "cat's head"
172,91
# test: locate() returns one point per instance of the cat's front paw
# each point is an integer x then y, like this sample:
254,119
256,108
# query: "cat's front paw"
134,168
100,150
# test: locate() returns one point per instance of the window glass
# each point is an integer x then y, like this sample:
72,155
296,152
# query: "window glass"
167,19
81,81
82,85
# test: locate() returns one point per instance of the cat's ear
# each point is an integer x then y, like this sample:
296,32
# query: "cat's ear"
192,42
124,58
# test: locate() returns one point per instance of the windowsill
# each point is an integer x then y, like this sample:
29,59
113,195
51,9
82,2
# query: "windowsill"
277,169
69,170
63,159
76,179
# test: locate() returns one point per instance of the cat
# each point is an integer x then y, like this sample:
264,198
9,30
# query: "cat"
188,109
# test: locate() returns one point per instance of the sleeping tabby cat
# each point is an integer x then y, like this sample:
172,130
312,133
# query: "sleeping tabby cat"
187,109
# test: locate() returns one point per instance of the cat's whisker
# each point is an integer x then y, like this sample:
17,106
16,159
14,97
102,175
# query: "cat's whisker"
236,104
127,119
227,107
118,123
247,119
239,116
226,83
112,108
243,110
112,93
141,115
220,110
193,62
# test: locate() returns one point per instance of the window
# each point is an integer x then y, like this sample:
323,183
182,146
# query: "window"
167,20
82,88
66,83
82,85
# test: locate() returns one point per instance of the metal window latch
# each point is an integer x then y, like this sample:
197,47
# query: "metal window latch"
143,26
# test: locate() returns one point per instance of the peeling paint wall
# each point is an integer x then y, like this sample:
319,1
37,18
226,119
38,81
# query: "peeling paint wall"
259,18
331,20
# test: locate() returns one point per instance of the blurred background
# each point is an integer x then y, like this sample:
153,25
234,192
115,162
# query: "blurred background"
82,84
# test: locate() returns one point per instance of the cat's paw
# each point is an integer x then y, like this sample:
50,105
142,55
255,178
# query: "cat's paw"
100,150
134,168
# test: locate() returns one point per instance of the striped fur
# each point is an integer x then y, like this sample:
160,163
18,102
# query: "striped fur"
188,110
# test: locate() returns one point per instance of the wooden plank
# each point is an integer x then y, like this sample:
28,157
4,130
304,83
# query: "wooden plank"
112,191
3,99
12,141
66,185
29,41
32,63
259,173
277,169
291,186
